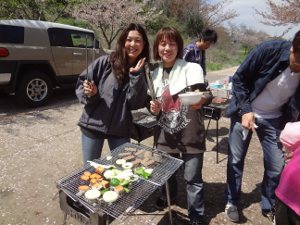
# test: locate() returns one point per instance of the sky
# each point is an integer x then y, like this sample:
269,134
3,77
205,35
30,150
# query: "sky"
247,16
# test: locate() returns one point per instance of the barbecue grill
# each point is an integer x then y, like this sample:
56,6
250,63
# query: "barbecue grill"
215,111
143,125
96,213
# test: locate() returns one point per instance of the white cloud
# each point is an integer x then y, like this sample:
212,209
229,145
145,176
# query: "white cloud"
247,16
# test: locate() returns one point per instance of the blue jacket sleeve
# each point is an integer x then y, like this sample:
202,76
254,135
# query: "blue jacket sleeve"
188,54
243,79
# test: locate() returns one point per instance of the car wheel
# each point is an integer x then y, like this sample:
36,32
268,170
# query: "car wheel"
35,89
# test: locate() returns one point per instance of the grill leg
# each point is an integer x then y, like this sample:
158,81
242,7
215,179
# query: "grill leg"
207,126
217,139
65,218
169,203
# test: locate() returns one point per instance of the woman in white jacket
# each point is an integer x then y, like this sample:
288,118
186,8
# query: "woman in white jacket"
181,128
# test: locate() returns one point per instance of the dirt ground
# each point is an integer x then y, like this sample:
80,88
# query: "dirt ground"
38,147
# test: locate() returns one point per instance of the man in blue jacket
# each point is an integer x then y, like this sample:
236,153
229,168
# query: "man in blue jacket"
195,52
266,95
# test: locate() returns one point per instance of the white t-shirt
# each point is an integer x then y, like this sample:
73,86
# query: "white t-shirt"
268,103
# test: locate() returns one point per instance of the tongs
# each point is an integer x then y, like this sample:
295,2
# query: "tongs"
89,77
150,82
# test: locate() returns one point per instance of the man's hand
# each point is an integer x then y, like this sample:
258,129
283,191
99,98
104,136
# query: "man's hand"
248,121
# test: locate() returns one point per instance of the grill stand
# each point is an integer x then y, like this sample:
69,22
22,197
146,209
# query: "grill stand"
214,112
95,218
169,203
79,212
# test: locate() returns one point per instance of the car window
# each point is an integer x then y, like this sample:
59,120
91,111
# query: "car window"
59,37
70,38
11,34
82,40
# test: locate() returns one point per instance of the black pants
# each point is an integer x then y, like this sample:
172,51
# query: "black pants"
284,215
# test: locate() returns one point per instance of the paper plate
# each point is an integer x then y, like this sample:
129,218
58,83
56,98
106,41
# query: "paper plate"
190,98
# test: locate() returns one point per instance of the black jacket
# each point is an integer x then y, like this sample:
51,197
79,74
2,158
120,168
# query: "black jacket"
109,111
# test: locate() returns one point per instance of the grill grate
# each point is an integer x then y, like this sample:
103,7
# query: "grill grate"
140,189
144,120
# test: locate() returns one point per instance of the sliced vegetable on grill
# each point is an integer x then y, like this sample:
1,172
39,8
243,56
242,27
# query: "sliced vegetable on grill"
108,174
114,182
110,196
127,165
127,190
125,182
95,165
100,169
92,194
104,190
120,161
119,189
141,171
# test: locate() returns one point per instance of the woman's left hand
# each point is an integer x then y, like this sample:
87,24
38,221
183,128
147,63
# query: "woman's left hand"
138,66
199,104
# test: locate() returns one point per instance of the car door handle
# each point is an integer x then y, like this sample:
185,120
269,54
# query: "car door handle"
77,53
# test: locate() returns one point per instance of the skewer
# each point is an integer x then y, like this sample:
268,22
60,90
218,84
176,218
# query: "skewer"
86,58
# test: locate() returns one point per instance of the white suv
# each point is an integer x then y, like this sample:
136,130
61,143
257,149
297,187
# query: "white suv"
38,56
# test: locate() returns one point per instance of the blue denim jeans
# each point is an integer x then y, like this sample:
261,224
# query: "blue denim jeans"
193,164
268,132
92,145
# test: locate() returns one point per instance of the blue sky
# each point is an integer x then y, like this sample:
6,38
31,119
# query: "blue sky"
248,17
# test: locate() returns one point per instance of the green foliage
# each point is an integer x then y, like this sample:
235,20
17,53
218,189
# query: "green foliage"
213,66
74,22
164,21
218,58
242,55
193,25
49,10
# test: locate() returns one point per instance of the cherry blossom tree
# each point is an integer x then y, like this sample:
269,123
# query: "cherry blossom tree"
248,38
111,16
281,13
212,14
215,14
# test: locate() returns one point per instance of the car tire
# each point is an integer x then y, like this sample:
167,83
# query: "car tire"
34,89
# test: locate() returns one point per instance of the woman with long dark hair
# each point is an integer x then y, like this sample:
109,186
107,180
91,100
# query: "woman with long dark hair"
110,88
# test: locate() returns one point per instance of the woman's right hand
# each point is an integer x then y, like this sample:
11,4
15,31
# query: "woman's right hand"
138,66
155,107
89,88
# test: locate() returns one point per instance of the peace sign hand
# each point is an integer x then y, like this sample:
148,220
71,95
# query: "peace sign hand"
138,66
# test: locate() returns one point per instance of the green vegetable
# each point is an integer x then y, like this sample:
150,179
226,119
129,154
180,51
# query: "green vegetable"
125,182
141,172
126,189
114,182
104,190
